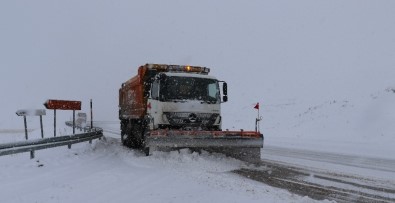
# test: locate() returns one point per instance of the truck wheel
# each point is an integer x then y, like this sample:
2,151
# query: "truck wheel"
123,132
138,140
126,136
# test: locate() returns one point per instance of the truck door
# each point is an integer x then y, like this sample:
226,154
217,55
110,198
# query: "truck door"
153,103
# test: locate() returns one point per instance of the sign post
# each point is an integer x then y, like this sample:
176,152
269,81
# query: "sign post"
54,122
63,105
34,112
91,116
41,125
73,122
24,120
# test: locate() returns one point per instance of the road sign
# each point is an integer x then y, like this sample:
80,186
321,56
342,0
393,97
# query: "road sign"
63,104
31,112
81,119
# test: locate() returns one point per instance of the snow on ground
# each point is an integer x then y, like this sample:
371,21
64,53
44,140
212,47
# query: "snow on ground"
107,172
358,124
363,126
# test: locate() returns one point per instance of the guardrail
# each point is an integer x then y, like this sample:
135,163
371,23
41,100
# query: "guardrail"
85,129
45,143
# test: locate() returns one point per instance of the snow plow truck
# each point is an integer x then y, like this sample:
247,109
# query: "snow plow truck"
176,106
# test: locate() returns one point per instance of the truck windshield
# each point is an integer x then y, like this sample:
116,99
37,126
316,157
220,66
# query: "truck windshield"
173,88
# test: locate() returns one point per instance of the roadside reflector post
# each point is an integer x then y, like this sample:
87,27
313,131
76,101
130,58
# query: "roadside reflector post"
36,112
91,116
90,141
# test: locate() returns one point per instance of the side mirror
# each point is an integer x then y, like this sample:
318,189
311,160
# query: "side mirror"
225,92
225,89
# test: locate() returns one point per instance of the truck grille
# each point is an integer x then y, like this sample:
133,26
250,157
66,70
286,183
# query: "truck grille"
191,119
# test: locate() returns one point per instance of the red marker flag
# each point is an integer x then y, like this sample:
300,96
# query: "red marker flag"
256,106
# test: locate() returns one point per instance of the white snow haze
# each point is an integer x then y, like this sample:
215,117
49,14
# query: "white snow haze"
322,71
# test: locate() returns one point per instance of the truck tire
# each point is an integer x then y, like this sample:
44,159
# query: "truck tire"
132,134
138,139
126,137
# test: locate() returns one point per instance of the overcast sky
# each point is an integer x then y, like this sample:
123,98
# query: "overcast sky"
266,50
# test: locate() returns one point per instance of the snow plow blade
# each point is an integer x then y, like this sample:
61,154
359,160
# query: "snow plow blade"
243,145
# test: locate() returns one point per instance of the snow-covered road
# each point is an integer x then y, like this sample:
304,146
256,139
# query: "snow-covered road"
105,171
316,180
383,168
346,175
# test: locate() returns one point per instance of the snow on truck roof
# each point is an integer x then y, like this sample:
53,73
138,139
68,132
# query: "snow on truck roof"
195,75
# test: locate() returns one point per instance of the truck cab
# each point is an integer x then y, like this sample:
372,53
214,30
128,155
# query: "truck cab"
185,101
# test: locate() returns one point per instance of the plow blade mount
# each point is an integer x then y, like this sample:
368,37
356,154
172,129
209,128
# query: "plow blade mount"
244,145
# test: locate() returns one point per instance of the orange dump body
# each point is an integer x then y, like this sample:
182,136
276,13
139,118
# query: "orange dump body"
132,99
